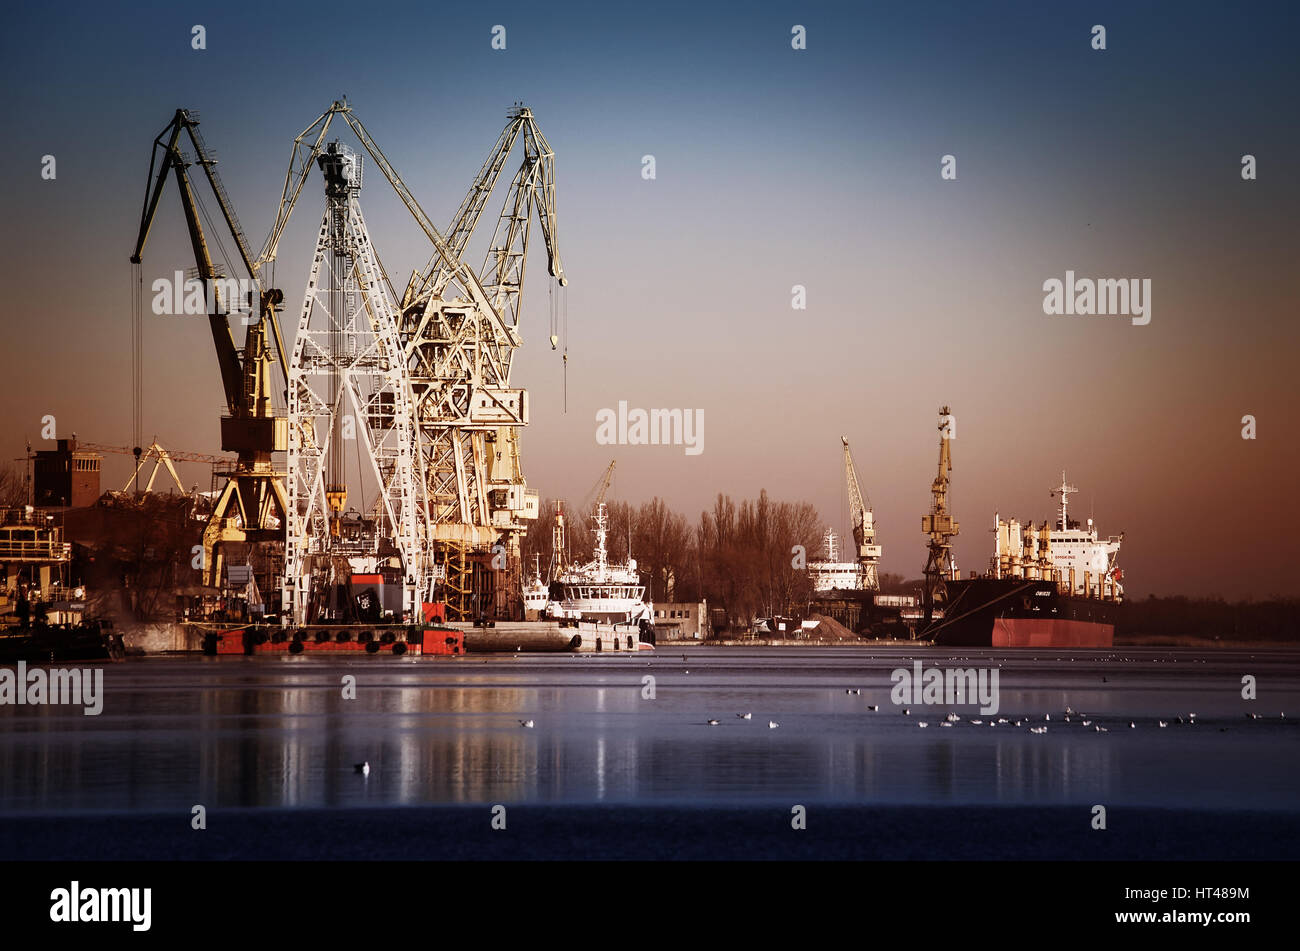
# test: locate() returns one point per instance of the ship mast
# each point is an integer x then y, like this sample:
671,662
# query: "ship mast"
1064,489
558,543
601,522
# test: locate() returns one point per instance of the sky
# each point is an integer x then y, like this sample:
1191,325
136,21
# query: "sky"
774,167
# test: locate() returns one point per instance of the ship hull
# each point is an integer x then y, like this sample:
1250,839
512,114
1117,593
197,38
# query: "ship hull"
1014,612
1035,632
88,641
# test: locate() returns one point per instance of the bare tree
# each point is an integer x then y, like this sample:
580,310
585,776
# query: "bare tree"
13,487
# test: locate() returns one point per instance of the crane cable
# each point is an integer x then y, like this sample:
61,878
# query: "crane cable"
558,302
137,360
564,304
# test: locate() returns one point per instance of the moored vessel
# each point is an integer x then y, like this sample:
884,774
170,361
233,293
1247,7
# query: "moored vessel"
605,594
1046,587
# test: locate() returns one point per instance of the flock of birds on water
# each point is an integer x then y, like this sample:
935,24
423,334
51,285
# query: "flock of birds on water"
1068,716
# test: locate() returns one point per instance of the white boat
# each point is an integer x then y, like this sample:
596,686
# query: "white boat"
537,593
600,591
830,573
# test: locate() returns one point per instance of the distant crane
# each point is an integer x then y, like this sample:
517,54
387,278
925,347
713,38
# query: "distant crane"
162,458
939,525
591,502
864,533
603,484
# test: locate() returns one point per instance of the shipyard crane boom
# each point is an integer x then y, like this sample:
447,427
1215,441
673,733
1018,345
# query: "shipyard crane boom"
175,454
599,490
305,156
533,183
867,552
162,457
174,160
253,498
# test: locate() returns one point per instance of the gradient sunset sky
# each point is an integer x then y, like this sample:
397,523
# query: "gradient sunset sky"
775,167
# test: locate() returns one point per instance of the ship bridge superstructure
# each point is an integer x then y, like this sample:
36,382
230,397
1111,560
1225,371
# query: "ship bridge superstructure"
1075,557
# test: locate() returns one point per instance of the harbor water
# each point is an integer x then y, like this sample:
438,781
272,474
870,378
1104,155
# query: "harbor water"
276,741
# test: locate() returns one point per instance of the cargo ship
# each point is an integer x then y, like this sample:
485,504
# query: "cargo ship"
1046,586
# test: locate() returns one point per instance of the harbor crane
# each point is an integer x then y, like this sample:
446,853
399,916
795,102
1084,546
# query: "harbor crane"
253,506
602,485
939,524
458,330
162,458
867,552
461,330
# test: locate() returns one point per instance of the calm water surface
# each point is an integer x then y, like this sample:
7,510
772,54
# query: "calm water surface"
263,732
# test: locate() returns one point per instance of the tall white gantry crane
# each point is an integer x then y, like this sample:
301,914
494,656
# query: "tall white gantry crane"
456,334
867,552
348,382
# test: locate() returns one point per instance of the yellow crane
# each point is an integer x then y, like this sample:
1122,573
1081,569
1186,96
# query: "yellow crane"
939,524
866,551
253,506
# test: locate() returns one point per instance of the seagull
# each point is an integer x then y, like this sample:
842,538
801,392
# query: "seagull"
1132,725
362,768
873,707
1101,729
1047,716
945,723
1252,716
1002,719
978,722
1069,710
1038,729
526,723
1191,716
1087,723
1163,723
713,723
922,724
772,724
952,718
906,712
745,716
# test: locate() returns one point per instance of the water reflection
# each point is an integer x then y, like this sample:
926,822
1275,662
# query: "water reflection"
254,733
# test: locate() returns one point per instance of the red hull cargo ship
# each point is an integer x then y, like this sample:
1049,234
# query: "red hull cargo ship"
1046,587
